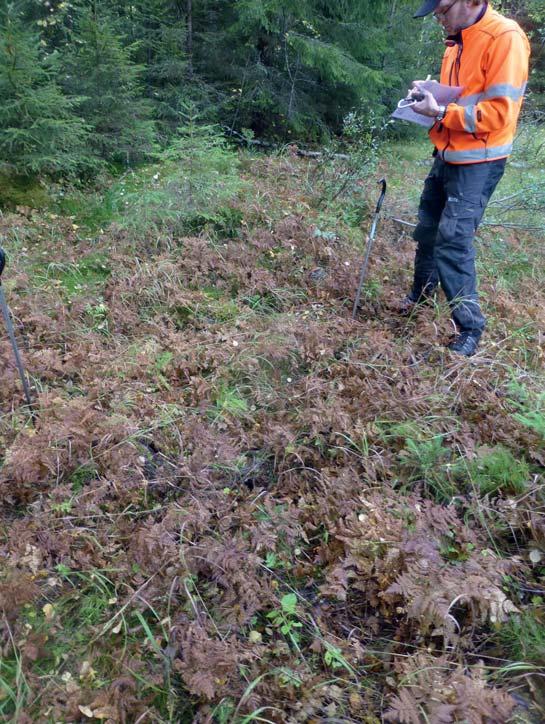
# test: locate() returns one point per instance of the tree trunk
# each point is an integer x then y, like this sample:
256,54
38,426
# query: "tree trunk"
189,42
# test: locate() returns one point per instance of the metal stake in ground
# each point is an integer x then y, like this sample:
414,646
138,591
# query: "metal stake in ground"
363,272
11,332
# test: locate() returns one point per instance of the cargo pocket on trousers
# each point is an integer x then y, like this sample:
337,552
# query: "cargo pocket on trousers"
460,219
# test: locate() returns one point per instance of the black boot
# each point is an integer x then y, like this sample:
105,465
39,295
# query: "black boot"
465,344
406,306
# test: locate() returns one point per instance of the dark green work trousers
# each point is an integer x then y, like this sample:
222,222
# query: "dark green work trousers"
451,208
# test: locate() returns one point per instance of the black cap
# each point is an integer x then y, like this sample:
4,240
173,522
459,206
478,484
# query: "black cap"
427,8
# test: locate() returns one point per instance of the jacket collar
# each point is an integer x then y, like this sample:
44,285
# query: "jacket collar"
483,18
463,35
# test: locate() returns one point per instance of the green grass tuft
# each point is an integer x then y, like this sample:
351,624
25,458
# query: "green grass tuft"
500,471
523,637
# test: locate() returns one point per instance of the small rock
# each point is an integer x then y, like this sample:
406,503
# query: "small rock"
317,275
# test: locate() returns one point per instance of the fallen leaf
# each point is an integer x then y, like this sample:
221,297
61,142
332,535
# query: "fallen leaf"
105,712
356,702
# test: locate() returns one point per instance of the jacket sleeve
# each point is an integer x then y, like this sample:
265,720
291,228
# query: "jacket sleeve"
500,102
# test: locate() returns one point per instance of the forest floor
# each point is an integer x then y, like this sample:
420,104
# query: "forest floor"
237,504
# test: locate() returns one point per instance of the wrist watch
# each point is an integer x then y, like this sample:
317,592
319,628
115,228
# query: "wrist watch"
441,114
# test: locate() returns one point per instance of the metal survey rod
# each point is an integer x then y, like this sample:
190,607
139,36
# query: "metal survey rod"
11,332
363,272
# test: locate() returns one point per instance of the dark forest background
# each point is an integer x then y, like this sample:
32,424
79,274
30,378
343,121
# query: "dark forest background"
103,83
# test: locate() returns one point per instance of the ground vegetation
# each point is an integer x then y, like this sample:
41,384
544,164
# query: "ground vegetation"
235,503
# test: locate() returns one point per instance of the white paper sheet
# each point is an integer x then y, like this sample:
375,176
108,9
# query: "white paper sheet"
443,94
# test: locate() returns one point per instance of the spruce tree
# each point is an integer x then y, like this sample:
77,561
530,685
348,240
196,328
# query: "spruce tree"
98,67
534,21
292,66
197,180
159,29
40,131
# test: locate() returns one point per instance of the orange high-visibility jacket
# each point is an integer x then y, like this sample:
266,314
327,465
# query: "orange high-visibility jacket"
491,63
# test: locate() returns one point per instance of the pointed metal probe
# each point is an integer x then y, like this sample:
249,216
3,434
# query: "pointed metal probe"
370,239
11,332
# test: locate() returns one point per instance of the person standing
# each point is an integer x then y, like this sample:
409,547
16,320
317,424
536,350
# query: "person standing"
487,54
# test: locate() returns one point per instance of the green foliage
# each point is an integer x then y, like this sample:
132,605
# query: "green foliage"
14,688
499,471
296,69
92,210
286,618
230,402
82,475
22,191
40,131
523,637
90,272
333,657
425,455
493,471
88,599
161,50
531,14
531,408
97,316
106,80
534,419
97,66
199,177
336,179
425,460
510,265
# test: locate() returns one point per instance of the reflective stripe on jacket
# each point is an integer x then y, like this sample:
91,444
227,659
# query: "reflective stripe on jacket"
491,63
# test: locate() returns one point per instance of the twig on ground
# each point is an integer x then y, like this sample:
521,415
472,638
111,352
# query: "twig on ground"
504,224
403,222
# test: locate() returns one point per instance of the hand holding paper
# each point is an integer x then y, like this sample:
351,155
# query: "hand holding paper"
443,95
